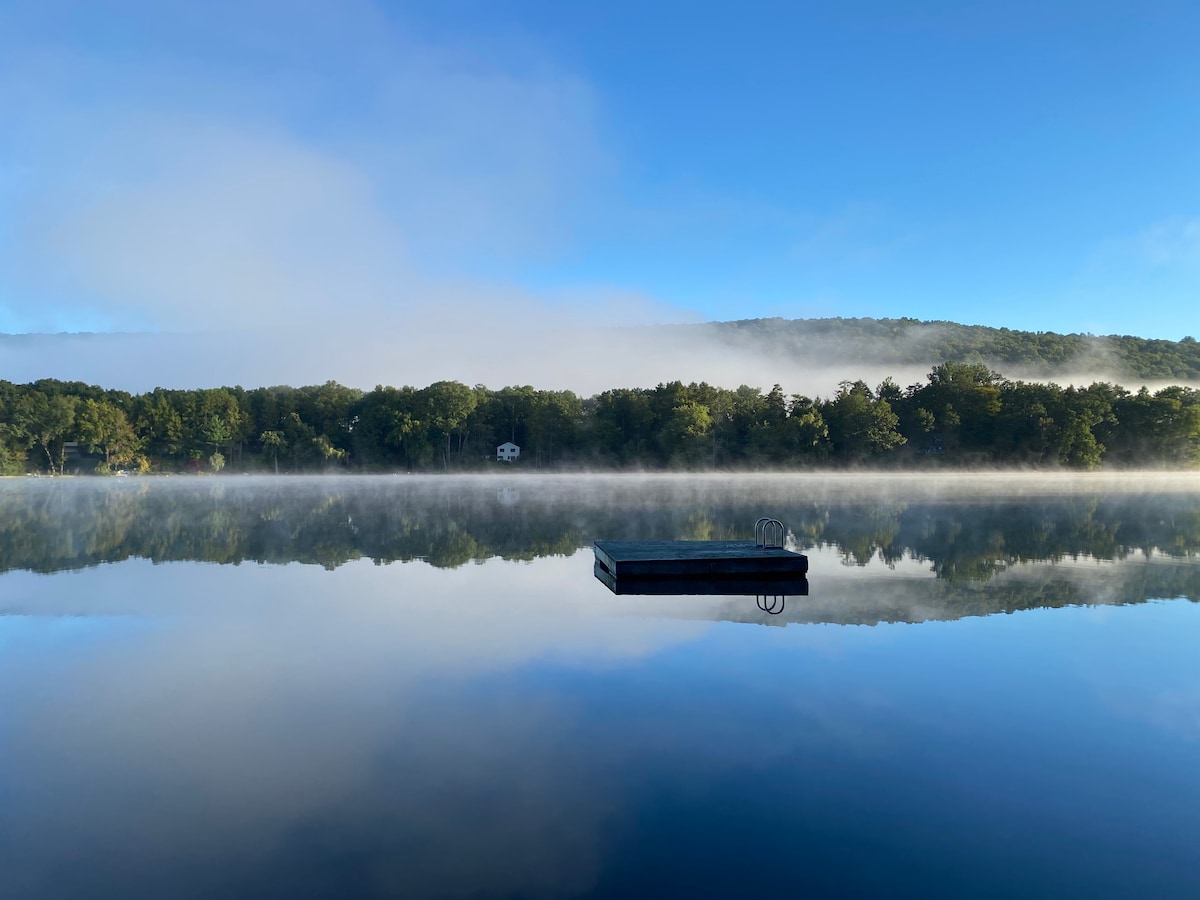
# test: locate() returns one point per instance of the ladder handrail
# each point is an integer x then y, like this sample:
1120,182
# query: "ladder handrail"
771,604
764,526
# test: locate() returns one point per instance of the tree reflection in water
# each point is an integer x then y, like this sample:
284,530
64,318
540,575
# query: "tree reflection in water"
969,533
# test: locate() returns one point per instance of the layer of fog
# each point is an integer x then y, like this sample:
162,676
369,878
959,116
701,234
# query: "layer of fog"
546,351
552,349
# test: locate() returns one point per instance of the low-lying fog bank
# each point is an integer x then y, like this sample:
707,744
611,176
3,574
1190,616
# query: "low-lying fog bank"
577,357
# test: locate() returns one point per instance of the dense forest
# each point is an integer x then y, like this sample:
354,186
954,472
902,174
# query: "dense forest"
916,342
964,414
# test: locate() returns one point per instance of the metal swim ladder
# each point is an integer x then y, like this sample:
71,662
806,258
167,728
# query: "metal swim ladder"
769,534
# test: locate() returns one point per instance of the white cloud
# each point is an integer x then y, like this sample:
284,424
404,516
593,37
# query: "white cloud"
234,174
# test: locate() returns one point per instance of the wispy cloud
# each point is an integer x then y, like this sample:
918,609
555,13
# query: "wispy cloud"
856,233
1172,242
185,189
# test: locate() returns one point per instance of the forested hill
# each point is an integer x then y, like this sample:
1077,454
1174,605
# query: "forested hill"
915,342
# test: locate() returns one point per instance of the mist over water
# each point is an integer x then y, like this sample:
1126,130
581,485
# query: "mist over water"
929,546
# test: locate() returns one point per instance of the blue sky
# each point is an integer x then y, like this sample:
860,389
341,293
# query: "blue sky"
181,166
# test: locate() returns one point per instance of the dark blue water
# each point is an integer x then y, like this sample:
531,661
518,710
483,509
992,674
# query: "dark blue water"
509,728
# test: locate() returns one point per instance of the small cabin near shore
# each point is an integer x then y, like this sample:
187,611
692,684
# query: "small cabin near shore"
507,452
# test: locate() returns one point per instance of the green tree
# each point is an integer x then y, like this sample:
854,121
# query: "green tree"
105,427
388,426
622,423
1079,448
861,427
687,432
1028,428
1162,428
158,424
217,432
749,418
12,461
514,406
46,422
221,404
327,451
274,441
447,405
552,423
806,434
965,398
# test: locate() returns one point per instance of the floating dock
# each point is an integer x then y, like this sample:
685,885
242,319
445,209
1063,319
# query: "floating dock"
698,559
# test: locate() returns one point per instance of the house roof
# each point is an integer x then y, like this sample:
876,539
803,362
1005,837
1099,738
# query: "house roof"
508,444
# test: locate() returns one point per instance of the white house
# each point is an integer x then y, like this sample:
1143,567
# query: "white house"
507,452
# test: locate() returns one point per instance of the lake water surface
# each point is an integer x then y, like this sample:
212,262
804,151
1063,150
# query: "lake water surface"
415,687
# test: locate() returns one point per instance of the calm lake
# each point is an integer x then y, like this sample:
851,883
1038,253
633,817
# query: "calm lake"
415,687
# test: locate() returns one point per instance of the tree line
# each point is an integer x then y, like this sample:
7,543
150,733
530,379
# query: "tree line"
963,414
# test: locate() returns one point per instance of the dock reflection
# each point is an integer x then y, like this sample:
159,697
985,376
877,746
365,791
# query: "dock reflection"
770,593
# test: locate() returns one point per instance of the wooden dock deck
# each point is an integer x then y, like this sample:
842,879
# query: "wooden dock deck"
660,559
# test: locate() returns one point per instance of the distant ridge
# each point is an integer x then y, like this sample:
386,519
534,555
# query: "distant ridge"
748,350
913,341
